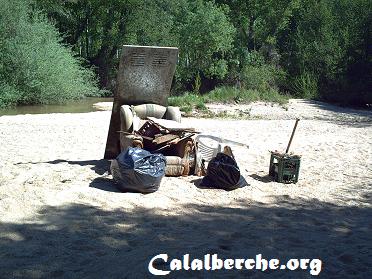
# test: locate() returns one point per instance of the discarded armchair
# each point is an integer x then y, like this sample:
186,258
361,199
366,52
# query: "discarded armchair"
130,121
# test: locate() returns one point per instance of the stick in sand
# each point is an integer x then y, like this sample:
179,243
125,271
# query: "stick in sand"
290,140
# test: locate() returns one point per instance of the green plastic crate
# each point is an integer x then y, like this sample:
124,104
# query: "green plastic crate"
284,168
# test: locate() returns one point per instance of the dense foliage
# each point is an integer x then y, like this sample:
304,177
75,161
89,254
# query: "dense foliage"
308,48
34,65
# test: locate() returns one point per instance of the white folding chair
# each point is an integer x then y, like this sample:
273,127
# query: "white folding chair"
207,147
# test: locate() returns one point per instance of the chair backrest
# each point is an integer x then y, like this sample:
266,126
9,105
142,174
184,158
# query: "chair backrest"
207,146
145,74
144,77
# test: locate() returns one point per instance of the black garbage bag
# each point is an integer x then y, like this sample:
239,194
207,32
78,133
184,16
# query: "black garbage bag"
137,170
223,173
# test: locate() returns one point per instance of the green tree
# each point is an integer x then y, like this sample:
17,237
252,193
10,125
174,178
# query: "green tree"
205,38
98,29
321,48
34,66
326,46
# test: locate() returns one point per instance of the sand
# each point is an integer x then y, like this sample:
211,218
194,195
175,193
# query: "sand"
61,216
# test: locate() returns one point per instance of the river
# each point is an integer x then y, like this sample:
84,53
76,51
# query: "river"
77,106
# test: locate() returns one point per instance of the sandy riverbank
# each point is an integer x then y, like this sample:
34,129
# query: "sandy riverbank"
62,217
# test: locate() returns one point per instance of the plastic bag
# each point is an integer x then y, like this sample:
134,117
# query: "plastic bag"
223,173
137,170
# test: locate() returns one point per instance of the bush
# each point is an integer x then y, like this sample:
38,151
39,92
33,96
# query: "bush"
8,95
187,101
228,94
262,77
305,86
35,68
232,94
223,94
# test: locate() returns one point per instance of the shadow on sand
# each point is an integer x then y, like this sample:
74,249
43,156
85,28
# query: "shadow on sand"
82,241
104,184
98,166
345,116
264,179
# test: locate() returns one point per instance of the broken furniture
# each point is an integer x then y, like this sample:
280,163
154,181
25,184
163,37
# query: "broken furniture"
172,139
130,120
144,77
285,167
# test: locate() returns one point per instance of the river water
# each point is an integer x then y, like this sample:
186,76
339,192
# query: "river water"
77,106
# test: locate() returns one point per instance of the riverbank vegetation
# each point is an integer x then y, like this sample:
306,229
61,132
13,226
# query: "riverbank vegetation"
247,50
190,101
35,66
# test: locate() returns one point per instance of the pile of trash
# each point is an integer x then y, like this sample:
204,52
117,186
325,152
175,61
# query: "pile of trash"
163,147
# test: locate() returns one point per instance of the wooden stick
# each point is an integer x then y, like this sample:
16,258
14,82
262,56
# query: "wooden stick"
293,132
